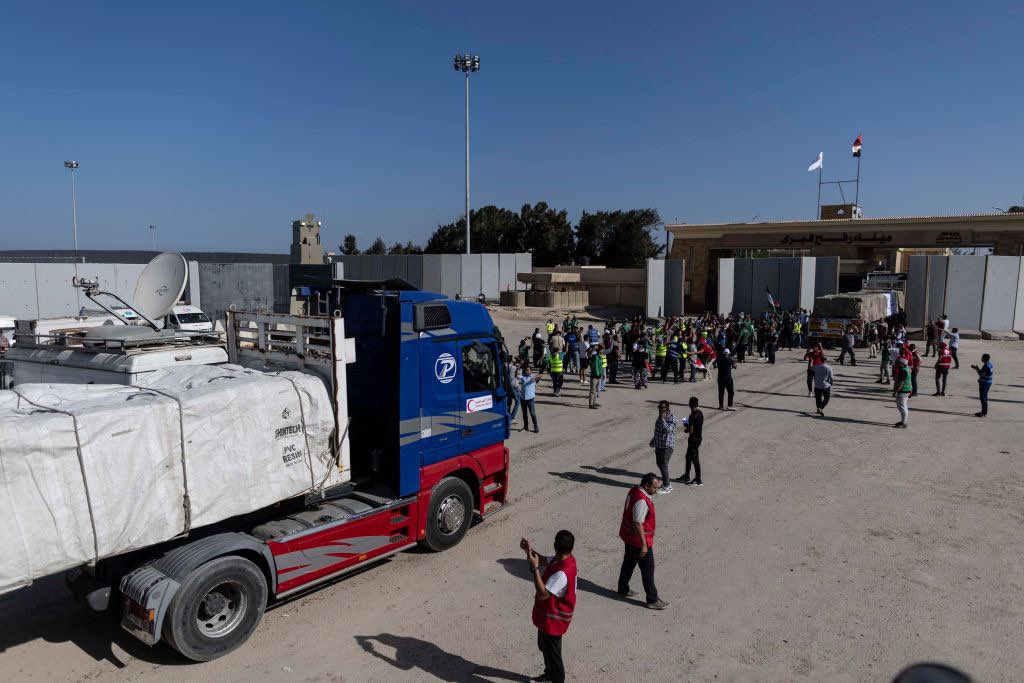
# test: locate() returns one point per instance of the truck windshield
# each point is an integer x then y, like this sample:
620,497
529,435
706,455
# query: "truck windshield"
480,372
190,318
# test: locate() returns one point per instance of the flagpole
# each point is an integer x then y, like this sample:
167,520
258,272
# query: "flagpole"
856,196
817,209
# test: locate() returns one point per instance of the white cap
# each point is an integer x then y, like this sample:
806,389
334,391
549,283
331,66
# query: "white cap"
725,352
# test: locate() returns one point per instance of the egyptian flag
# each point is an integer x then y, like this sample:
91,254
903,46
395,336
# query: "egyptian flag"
856,146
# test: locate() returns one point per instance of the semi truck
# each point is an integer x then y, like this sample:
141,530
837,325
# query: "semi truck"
417,385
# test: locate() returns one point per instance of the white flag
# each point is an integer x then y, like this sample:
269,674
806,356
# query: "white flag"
817,164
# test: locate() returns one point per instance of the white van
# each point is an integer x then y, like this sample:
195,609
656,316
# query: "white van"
7,329
188,319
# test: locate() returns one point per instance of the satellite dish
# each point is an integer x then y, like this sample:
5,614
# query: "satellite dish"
160,285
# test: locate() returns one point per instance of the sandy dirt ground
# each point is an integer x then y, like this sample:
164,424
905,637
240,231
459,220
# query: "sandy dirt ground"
835,549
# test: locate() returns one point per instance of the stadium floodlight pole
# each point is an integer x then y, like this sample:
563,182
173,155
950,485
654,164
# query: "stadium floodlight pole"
152,235
467,63
72,165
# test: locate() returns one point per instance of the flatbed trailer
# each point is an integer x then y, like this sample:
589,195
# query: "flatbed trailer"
419,401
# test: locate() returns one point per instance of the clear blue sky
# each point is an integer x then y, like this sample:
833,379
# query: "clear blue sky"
220,122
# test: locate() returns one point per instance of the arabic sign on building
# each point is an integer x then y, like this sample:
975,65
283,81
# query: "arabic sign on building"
850,238
818,239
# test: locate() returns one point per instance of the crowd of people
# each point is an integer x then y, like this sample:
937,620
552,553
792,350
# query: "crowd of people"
683,348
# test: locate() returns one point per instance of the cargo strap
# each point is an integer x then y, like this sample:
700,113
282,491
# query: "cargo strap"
186,500
81,466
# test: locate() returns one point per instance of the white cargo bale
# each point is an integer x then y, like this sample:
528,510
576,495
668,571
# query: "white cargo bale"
131,459
250,440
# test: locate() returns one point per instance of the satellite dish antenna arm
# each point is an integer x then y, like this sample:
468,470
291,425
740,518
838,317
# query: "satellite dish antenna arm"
92,289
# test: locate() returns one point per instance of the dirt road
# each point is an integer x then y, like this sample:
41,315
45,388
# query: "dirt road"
818,549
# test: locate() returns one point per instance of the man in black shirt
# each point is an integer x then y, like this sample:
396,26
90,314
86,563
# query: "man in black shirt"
695,429
725,367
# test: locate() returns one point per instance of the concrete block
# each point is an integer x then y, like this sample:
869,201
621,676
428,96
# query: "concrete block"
788,294
584,299
743,284
549,278
451,274
1018,314
414,270
513,298
807,280
765,279
675,285
826,275
655,304
432,264
490,276
965,284
524,263
1000,335
469,275
916,287
1002,274
726,285
937,269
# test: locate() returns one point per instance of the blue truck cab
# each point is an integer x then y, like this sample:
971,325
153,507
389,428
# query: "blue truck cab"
427,386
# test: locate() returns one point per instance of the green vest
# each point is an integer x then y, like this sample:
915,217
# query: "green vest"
797,327
662,350
551,327
555,362
907,385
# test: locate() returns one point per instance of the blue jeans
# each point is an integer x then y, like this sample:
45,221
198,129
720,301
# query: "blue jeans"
528,412
515,407
983,395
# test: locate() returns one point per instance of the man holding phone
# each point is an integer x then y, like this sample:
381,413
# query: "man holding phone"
554,601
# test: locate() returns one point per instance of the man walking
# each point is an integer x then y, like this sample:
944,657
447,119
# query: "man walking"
814,356
637,533
849,338
725,367
664,443
822,385
555,362
901,390
985,375
528,386
554,601
695,429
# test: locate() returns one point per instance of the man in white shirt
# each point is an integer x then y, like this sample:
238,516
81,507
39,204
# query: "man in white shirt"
954,344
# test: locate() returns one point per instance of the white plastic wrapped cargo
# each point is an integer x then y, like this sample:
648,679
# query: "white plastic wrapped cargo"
210,442
249,442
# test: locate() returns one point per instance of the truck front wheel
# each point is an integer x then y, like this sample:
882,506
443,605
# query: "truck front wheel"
216,609
449,514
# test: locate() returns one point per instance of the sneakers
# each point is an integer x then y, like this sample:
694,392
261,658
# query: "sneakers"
629,593
536,430
697,482
664,489
981,415
684,480
819,412
657,604
900,425
543,678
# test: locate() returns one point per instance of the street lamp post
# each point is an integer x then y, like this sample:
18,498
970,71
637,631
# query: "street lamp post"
72,165
152,235
467,63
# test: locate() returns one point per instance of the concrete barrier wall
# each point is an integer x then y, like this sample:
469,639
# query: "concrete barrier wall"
451,274
743,285
675,286
983,293
807,283
655,294
249,286
965,286
466,275
490,276
469,273
826,275
916,287
1000,297
507,272
43,290
726,285
432,272
788,292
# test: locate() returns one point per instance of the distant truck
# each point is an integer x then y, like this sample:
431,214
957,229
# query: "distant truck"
418,390
834,314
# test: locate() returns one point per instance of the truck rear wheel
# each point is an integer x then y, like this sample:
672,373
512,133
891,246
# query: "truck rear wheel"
216,609
449,514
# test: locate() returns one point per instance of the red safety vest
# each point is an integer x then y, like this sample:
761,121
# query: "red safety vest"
552,616
945,359
627,532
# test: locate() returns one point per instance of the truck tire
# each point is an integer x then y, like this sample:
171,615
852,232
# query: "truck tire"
449,514
216,609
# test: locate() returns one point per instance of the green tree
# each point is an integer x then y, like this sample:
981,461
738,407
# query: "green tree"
490,228
629,239
348,246
590,236
377,248
546,232
407,248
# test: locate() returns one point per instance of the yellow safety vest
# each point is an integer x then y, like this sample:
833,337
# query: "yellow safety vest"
662,351
556,362
551,327
797,327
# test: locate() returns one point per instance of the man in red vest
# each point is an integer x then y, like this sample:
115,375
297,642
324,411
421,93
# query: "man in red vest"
637,532
942,366
554,602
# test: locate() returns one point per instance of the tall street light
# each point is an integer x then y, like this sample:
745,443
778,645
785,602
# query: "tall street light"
72,165
466,63
152,235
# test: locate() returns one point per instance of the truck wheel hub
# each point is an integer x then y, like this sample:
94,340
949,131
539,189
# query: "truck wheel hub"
450,514
221,610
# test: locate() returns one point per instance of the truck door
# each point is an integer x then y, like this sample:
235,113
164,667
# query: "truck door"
483,414
441,383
